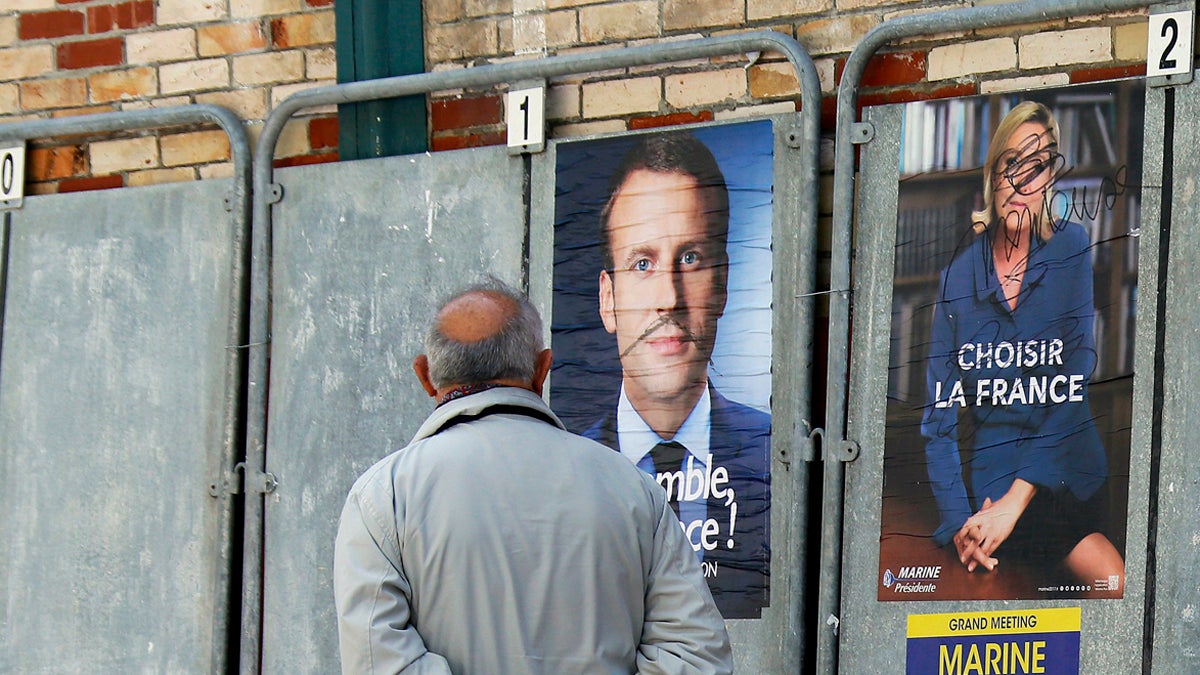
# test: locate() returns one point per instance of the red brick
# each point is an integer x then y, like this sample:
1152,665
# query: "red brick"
106,52
1111,73
91,183
69,2
464,113
469,140
884,70
127,15
64,161
674,119
951,91
323,132
905,95
828,113
319,3
303,160
41,25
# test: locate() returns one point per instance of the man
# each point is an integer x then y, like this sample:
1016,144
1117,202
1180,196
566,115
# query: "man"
497,542
662,289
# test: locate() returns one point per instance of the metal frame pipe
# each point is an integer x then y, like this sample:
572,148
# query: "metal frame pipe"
238,205
131,120
842,238
407,85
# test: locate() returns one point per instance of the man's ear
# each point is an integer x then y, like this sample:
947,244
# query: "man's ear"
421,368
608,312
541,370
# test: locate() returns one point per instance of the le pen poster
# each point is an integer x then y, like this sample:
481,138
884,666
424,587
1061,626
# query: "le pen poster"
1006,458
661,329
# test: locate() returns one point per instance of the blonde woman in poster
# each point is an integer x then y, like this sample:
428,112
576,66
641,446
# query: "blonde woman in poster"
1013,350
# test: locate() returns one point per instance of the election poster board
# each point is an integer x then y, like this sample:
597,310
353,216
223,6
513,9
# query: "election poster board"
661,328
1010,381
1022,641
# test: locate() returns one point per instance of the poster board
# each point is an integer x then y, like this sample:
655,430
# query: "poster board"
1011,349
678,313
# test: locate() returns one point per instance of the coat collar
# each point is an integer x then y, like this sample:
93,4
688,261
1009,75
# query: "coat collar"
476,405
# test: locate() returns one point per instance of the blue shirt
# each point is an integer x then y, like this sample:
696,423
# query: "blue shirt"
637,439
1020,374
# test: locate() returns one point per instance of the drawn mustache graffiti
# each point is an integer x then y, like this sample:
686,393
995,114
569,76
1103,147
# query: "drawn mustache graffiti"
663,320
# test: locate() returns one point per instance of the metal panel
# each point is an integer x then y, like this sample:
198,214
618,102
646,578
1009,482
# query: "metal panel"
113,423
873,633
844,205
772,644
363,252
475,77
1176,406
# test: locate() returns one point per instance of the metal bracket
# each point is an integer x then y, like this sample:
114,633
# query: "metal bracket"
816,439
862,132
801,448
843,451
232,482
1169,80
261,482
846,451
229,483
274,193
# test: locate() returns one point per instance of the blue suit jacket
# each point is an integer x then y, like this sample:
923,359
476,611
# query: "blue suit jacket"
980,347
740,441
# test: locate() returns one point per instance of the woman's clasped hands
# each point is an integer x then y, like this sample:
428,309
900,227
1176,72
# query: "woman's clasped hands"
983,532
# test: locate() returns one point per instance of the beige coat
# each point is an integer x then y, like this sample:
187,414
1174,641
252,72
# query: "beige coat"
497,542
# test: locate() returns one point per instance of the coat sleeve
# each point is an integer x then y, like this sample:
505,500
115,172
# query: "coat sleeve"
939,425
682,631
371,592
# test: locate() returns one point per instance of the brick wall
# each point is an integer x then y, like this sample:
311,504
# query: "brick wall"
460,33
71,57
75,57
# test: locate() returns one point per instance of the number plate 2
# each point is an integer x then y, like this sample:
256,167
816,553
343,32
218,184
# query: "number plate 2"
1169,44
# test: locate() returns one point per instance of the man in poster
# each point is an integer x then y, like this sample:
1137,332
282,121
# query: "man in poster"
662,289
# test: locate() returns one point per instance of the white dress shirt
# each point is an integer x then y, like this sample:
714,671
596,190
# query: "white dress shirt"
636,439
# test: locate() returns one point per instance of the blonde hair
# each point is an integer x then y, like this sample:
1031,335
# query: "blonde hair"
1026,111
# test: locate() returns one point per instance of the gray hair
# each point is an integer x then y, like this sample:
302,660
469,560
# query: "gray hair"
509,354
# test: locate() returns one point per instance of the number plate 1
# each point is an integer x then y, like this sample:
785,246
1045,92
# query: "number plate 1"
527,119
1169,44
12,176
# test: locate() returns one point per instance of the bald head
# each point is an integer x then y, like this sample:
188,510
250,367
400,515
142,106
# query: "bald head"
475,316
486,333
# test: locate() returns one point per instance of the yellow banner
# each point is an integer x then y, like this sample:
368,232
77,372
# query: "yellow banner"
1010,622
